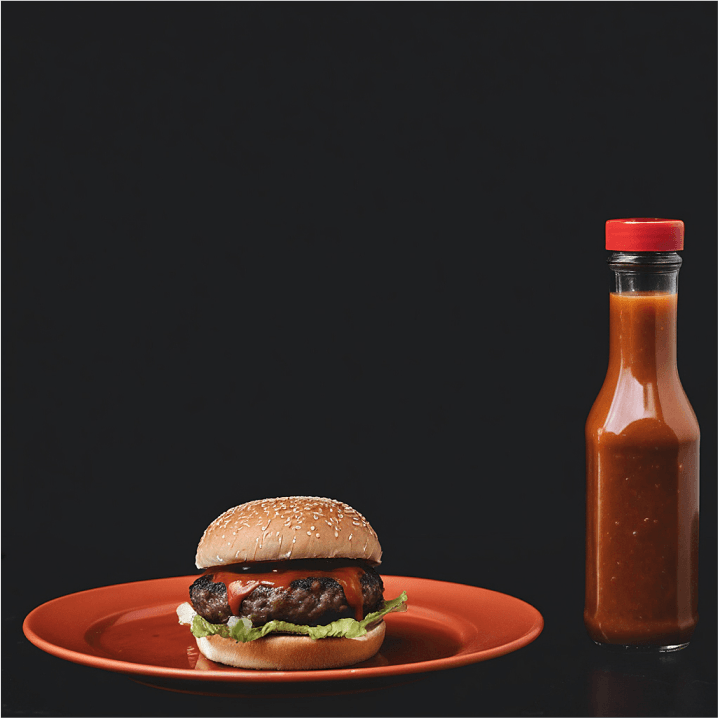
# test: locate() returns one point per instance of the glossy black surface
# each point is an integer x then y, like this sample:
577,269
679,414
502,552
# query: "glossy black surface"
562,673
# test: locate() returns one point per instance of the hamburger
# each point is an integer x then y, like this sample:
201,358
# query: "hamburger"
289,584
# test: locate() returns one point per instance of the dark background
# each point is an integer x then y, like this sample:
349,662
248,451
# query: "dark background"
352,250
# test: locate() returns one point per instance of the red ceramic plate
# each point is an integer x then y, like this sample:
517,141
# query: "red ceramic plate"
132,628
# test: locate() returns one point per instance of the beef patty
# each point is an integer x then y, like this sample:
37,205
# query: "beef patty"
310,601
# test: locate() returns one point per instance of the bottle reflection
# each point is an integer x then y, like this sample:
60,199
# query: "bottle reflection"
665,686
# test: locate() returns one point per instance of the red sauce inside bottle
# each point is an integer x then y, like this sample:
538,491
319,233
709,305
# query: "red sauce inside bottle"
242,579
642,484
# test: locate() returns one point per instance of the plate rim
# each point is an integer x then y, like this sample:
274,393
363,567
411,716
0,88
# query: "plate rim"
137,670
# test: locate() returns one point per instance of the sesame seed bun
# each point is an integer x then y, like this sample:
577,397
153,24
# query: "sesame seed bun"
291,653
289,527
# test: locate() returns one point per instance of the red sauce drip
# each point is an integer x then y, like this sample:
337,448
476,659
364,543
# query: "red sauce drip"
239,586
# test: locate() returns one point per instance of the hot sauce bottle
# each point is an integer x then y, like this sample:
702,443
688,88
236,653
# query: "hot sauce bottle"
642,443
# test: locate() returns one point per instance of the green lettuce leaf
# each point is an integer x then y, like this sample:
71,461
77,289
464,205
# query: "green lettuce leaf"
243,631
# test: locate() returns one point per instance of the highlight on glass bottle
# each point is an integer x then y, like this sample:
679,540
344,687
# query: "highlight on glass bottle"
642,455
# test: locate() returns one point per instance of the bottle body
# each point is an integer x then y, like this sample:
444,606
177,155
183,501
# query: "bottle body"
642,471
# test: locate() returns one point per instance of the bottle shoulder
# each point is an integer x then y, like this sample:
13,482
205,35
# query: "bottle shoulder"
625,406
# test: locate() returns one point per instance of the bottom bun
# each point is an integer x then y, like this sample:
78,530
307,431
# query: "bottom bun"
283,652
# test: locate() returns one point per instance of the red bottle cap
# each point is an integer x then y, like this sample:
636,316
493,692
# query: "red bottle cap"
644,234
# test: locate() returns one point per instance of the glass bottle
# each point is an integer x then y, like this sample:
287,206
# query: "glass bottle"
642,455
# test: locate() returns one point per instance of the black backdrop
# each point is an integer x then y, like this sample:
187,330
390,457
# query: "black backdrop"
352,250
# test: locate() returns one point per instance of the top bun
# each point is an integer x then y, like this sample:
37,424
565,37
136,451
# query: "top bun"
290,527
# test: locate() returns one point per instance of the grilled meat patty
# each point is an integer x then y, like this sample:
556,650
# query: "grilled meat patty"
310,601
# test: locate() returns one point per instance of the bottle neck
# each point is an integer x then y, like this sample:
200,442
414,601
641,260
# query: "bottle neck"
644,310
644,271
